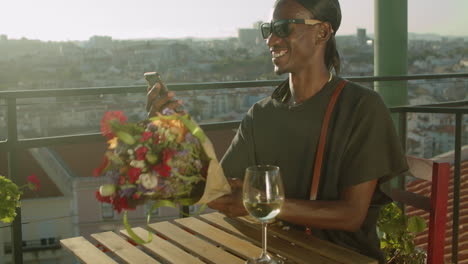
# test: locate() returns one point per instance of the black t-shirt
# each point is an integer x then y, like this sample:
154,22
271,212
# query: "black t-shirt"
362,145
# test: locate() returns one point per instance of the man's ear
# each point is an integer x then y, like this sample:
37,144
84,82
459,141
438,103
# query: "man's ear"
325,32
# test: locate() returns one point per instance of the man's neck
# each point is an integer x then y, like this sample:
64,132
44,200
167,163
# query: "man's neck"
304,85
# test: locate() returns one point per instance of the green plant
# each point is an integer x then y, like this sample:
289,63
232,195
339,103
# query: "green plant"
9,200
10,195
397,233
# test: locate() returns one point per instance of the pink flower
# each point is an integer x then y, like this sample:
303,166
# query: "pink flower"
134,174
34,181
146,135
141,153
109,117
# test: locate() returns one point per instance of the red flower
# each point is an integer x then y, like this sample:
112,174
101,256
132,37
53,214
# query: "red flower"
106,199
163,168
136,196
141,153
157,138
167,155
105,161
120,203
121,180
109,117
146,135
34,181
134,174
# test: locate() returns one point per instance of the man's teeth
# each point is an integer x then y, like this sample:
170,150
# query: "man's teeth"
279,54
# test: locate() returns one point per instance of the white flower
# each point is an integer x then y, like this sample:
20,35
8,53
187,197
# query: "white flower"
106,190
130,151
149,181
137,164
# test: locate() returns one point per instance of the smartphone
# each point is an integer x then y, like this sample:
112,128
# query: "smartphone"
152,78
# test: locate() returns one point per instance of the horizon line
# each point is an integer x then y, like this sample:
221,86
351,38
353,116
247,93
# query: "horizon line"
203,38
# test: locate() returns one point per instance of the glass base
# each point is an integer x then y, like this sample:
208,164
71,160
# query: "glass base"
264,260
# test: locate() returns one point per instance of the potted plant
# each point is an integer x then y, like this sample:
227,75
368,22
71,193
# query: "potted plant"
397,233
10,195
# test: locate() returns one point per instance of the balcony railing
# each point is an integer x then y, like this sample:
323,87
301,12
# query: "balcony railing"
13,143
36,245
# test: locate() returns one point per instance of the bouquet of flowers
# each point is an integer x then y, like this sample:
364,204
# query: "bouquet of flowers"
167,159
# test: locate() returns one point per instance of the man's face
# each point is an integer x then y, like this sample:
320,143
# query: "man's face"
295,52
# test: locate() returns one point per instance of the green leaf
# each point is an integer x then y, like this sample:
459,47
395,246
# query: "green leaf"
152,159
193,128
132,234
7,220
416,224
125,137
383,244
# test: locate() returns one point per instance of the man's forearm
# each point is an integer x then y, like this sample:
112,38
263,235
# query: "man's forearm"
347,213
337,215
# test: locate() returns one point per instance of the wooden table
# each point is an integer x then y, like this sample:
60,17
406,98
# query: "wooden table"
209,238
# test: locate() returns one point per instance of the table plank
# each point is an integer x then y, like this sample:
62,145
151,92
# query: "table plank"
326,248
164,249
218,219
85,251
275,244
126,251
235,244
200,247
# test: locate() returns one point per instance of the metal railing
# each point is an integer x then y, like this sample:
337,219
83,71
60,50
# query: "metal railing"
458,109
36,245
13,144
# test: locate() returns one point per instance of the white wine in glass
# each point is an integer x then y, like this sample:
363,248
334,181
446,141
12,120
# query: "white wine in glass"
263,196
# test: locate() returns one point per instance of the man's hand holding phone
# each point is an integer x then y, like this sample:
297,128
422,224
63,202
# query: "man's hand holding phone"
159,97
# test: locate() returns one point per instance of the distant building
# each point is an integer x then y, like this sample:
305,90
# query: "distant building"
464,62
250,36
100,42
361,36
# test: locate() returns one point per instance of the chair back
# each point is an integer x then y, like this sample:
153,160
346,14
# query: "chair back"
436,204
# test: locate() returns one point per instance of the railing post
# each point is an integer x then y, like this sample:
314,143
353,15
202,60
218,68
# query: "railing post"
391,49
402,120
184,211
456,185
12,139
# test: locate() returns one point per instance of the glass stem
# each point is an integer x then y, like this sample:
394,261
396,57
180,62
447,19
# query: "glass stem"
264,239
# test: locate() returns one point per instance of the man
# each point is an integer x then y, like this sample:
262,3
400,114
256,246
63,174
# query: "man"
362,149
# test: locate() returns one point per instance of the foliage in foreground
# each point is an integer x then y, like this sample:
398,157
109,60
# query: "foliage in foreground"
397,233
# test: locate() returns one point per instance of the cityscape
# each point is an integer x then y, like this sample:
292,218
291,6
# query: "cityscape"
102,61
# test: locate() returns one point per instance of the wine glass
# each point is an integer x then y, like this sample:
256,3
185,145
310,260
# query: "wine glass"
263,196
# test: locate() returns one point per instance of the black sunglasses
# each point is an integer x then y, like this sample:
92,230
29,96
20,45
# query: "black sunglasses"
281,27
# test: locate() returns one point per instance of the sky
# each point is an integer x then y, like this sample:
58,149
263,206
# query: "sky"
63,20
